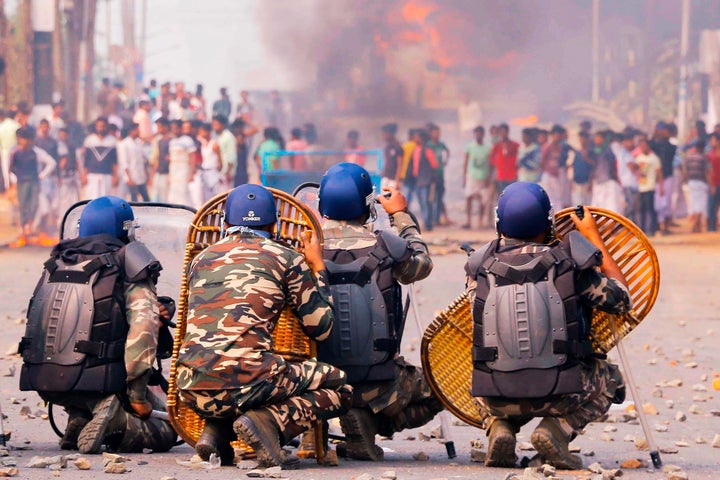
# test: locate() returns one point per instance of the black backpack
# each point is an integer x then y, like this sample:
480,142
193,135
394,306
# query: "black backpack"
369,317
529,329
75,336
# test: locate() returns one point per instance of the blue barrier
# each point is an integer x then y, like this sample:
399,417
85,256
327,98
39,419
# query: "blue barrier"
287,180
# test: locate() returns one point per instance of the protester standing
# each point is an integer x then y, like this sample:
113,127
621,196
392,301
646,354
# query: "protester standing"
698,175
714,200
477,173
131,164
99,170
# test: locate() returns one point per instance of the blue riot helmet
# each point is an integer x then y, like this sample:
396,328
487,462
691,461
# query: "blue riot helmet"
250,205
346,193
524,211
109,215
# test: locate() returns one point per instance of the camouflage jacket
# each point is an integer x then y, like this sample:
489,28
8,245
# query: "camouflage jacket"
595,289
141,312
238,288
342,235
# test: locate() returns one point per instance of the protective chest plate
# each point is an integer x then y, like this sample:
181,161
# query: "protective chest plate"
360,318
523,321
60,315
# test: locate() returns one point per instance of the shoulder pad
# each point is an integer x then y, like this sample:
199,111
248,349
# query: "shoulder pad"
396,246
474,263
583,253
140,263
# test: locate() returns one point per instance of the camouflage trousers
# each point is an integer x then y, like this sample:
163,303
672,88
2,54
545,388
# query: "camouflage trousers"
153,434
298,396
601,382
405,402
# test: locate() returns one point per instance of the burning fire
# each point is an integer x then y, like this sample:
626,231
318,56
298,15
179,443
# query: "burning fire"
443,33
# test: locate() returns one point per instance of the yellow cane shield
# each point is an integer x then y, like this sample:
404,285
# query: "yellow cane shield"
447,342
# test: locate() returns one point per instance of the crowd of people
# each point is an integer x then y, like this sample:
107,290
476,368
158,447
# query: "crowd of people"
166,146
630,172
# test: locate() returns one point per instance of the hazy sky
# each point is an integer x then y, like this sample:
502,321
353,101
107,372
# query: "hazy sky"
214,42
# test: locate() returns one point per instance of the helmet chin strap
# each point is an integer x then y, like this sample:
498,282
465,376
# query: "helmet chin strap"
130,226
370,204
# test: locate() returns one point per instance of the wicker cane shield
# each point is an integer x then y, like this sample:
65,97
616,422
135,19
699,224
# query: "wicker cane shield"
290,341
447,342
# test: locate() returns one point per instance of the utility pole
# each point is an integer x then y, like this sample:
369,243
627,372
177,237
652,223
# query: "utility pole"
129,45
86,56
595,51
4,52
43,24
648,60
682,94
143,40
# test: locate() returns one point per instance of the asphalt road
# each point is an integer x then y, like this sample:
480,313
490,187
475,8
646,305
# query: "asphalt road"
677,341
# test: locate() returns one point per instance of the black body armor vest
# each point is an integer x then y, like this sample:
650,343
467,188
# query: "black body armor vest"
529,328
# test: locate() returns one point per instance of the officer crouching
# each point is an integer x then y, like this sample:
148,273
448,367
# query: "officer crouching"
228,371
365,272
532,300
92,334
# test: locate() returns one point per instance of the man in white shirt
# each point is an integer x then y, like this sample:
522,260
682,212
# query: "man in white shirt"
183,161
142,119
99,168
622,147
131,164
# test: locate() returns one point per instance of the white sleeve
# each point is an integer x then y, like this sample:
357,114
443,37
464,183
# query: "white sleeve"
46,161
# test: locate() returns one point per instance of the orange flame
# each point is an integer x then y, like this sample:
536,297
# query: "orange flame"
417,11
443,32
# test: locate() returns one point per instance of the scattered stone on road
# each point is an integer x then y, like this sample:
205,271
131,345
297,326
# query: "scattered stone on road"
9,472
82,463
716,441
389,475
632,464
477,455
421,457
115,467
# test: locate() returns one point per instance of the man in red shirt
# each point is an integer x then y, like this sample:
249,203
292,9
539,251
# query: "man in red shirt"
503,158
713,156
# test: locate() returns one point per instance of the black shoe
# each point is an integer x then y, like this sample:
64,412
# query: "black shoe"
76,423
215,439
359,428
258,429
501,445
108,418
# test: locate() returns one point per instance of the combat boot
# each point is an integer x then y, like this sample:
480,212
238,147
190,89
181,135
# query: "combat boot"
258,429
552,442
359,428
215,438
307,442
108,419
76,422
501,445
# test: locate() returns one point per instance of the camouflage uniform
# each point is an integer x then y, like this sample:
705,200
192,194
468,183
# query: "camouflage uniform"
141,313
226,366
406,401
601,380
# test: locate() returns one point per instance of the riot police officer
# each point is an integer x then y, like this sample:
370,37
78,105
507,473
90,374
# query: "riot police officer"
228,371
92,334
532,299
365,272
